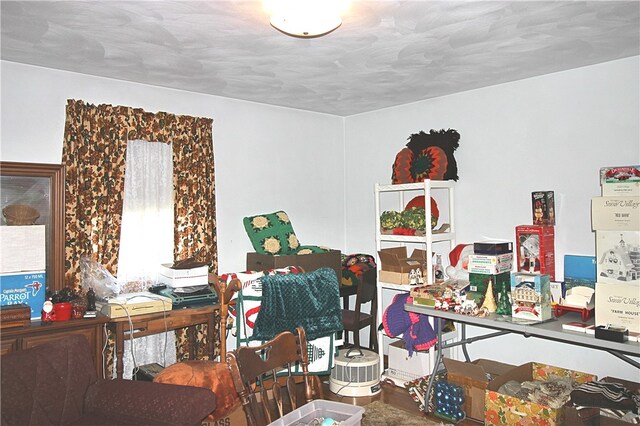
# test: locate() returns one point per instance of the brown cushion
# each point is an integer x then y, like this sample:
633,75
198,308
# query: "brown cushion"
204,374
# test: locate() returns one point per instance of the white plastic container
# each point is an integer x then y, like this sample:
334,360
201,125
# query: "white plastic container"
348,415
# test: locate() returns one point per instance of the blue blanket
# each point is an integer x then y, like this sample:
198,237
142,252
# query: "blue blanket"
310,300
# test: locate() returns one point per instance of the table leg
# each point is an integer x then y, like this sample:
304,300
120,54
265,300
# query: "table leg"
119,350
210,337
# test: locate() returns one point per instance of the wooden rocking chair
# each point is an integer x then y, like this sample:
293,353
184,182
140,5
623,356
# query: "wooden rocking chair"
266,397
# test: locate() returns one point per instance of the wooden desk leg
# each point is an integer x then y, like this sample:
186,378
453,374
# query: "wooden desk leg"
119,350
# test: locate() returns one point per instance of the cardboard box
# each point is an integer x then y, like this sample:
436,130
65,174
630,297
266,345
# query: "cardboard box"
615,213
531,296
308,262
618,304
490,264
624,181
508,410
183,277
543,208
474,377
23,248
536,249
27,288
405,368
394,277
618,257
579,271
395,259
493,247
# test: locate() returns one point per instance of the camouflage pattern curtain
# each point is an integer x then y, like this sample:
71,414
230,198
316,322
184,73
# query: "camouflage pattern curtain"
94,154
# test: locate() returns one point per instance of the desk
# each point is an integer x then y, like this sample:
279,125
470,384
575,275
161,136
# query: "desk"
159,322
551,330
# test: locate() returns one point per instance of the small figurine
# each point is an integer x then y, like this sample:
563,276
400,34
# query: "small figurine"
419,278
91,300
413,277
47,315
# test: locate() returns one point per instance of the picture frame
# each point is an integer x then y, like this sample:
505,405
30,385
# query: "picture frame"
40,186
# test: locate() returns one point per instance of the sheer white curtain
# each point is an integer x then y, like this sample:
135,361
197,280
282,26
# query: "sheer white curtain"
146,239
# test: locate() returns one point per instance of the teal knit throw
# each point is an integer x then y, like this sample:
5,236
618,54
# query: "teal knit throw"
310,300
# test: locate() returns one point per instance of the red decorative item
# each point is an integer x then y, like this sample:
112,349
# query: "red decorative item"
404,231
62,311
430,163
419,202
402,167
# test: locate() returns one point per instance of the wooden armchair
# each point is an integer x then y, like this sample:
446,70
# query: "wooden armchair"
264,396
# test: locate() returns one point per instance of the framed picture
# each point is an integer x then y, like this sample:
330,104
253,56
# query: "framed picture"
33,194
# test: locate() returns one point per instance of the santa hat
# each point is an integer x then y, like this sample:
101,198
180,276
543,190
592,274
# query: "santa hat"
454,255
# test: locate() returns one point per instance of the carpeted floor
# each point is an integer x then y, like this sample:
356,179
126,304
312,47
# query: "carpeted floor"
380,414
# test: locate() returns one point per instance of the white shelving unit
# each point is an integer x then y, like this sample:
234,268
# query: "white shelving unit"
410,190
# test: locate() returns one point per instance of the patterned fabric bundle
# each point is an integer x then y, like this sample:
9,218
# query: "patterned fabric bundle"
354,265
614,399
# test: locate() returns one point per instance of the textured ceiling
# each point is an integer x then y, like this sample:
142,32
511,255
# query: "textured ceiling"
386,53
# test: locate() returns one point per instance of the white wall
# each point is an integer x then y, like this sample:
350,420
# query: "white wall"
267,158
552,132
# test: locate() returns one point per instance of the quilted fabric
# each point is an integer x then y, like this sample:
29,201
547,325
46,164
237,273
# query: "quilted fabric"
271,233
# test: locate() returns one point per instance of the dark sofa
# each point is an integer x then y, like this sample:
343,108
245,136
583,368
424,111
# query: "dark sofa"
56,384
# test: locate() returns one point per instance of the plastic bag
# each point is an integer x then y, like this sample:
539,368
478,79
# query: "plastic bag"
95,276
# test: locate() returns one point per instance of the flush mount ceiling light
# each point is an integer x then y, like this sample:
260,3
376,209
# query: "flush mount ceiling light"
306,18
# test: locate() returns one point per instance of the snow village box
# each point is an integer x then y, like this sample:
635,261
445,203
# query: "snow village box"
25,287
478,284
490,264
623,181
503,409
618,257
531,296
536,249
618,304
615,213
543,208
579,271
474,377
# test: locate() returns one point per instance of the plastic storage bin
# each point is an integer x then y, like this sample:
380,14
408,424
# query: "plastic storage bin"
349,415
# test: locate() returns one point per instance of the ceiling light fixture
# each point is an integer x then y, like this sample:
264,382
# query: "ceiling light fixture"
306,18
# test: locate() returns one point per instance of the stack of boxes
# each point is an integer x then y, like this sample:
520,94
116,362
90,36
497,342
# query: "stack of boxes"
535,248
616,221
535,243
23,267
490,261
